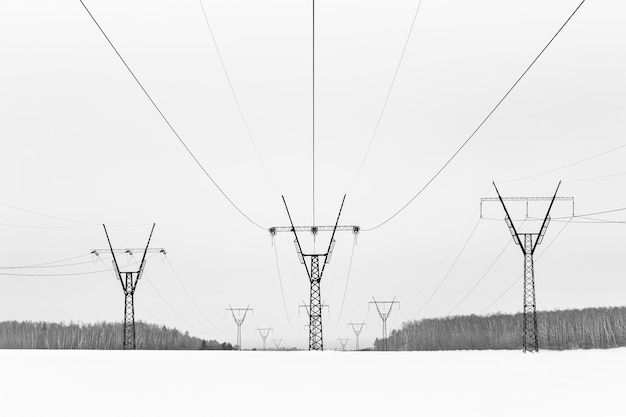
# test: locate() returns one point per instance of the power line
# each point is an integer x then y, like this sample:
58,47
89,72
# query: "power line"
452,250
46,263
34,226
150,313
172,308
595,178
565,166
313,102
345,290
598,221
445,260
189,295
595,213
445,277
49,266
85,224
480,279
54,275
382,111
168,123
232,90
282,292
48,215
481,123
65,274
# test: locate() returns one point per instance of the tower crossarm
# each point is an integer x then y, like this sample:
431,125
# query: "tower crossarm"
485,199
517,236
264,331
130,251
357,325
384,315
238,316
383,304
313,229
525,199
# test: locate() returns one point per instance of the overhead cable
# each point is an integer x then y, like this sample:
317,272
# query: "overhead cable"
174,311
481,123
445,277
480,279
168,123
46,266
617,174
189,295
382,111
282,292
232,90
46,263
345,290
565,166
48,215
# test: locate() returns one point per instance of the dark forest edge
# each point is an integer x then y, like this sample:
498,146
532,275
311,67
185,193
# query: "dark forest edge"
588,328
99,336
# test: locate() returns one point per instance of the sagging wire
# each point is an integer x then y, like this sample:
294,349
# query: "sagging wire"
282,292
167,259
445,277
345,291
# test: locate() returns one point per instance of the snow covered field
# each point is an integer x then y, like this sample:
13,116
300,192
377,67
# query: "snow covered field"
208,383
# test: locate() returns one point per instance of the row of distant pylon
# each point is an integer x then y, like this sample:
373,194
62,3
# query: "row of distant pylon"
528,242
382,307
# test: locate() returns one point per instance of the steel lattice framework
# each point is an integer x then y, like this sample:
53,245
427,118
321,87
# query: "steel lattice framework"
356,328
129,311
343,343
264,332
314,271
316,341
530,334
129,281
239,319
384,315
528,243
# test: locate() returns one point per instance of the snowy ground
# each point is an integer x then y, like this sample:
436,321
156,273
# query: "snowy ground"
204,383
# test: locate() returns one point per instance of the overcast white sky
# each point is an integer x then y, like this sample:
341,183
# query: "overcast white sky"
81,141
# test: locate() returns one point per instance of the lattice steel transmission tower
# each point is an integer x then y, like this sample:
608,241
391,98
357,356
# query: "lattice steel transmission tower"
356,328
129,282
277,343
239,315
264,332
343,343
314,270
384,315
528,243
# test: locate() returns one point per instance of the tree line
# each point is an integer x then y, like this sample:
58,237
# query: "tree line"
101,336
588,328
